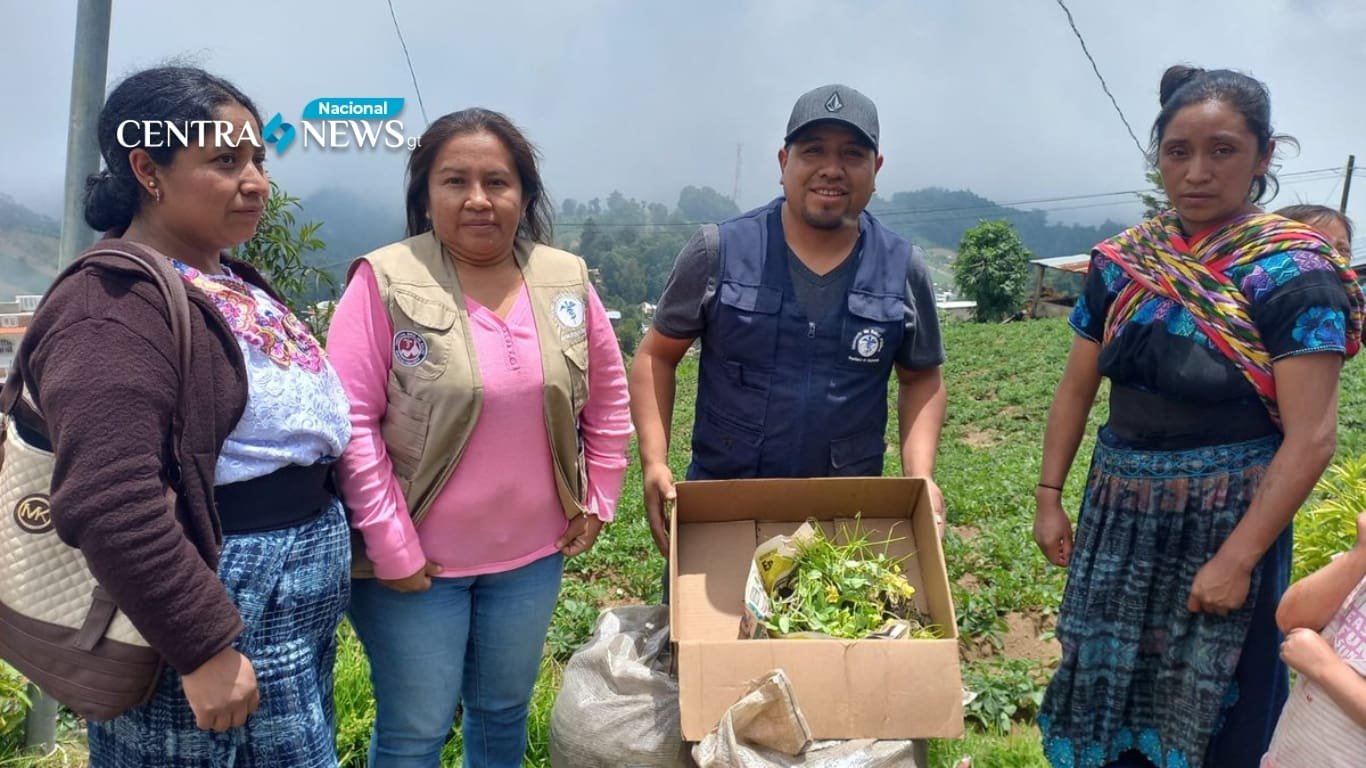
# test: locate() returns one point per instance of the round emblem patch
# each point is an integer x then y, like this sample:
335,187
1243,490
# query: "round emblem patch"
868,342
568,309
410,349
33,513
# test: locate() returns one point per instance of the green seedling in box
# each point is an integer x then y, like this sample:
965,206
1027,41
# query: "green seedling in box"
850,591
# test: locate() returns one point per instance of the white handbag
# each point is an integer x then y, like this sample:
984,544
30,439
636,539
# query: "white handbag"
58,627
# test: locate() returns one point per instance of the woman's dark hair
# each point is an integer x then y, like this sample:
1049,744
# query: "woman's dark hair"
1316,214
177,95
1183,86
536,218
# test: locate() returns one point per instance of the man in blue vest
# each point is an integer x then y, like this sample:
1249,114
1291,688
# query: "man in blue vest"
804,308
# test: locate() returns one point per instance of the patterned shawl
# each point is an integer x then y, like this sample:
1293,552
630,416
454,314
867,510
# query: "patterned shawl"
1193,273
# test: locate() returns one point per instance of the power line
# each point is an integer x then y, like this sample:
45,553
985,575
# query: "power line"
1293,178
1336,183
1307,173
1072,22
409,59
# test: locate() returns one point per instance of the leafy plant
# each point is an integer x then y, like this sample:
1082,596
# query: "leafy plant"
1328,525
992,269
14,702
1007,690
278,251
572,624
1155,199
848,590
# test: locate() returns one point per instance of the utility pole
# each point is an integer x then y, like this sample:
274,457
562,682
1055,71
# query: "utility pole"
735,191
89,67
1347,183
88,71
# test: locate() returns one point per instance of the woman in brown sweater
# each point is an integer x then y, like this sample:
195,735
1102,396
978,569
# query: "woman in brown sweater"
242,588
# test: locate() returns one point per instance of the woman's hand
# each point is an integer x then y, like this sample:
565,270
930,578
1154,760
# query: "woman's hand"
1220,587
222,692
417,582
1052,528
579,537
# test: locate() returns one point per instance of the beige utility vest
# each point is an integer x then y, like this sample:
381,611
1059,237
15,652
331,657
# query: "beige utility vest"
435,391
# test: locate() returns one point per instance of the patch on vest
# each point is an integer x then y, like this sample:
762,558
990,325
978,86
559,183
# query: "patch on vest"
410,349
568,310
867,344
33,513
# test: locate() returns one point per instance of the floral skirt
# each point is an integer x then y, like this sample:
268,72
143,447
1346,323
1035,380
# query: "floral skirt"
1143,681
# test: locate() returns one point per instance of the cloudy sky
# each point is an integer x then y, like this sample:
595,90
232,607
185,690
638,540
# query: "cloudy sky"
646,97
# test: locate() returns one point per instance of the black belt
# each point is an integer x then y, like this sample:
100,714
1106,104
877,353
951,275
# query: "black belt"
287,497
1149,421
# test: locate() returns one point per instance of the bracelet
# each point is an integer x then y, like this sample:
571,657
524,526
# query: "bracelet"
1049,487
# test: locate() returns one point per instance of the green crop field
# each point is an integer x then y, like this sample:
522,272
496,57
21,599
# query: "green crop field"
1000,379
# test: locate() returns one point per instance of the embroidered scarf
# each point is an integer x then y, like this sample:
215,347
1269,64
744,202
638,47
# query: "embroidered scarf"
1193,273
258,320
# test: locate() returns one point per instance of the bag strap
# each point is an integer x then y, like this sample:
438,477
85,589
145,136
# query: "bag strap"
158,268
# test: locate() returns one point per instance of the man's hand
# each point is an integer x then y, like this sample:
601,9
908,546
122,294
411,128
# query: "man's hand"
937,506
659,496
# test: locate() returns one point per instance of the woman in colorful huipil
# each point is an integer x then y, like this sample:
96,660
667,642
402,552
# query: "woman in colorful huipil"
1222,331
240,582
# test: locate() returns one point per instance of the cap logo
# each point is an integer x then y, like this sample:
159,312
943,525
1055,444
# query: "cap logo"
833,104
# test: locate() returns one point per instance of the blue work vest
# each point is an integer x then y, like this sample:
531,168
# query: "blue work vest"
783,395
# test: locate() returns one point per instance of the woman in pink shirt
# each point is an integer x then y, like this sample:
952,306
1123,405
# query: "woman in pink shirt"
489,418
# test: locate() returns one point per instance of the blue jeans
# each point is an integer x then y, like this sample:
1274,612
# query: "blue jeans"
476,639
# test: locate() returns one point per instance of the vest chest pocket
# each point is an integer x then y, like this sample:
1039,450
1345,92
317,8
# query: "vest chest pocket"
872,332
747,322
422,339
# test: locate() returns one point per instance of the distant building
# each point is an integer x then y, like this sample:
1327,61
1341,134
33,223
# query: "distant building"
958,310
1056,283
15,317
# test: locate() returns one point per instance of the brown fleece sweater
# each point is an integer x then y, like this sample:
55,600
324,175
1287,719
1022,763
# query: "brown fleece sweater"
103,373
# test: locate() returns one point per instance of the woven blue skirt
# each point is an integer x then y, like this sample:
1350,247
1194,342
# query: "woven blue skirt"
291,587
1142,680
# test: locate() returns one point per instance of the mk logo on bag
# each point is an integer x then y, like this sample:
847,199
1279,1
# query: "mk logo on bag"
33,513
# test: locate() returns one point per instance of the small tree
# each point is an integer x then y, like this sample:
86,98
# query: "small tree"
278,251
1154,200
992,268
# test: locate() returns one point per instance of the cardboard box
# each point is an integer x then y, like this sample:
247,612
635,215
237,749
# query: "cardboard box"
848,689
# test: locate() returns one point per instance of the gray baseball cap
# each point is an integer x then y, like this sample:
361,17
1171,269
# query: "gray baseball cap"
839,103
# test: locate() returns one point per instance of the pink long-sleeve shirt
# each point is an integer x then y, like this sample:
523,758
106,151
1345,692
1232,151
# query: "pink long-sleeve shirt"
499,510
